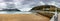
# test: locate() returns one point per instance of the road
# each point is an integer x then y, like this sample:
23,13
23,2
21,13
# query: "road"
59,17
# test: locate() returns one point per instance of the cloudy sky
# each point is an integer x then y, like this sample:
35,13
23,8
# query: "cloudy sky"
25,5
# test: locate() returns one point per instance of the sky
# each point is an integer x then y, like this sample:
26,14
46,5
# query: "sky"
26,5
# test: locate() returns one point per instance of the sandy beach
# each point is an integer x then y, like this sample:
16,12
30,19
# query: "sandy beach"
22,17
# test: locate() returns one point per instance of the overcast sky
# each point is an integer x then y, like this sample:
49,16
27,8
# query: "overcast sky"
26,5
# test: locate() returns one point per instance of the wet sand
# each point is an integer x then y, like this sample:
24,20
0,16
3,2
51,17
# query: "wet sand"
22,17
